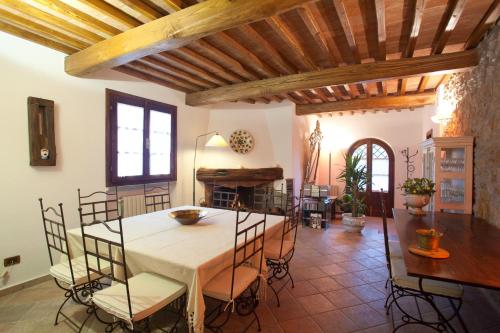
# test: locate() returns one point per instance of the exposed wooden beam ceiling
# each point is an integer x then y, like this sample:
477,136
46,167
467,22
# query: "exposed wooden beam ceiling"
486,22
382,102
173,31
337,76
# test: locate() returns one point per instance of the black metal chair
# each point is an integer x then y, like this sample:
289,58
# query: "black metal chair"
99,205
157,198
70,274
402,286
279,252
236,287
130,300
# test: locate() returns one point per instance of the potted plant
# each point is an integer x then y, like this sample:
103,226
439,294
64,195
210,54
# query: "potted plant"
417,192
355,177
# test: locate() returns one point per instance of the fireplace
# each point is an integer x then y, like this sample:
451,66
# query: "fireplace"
246,188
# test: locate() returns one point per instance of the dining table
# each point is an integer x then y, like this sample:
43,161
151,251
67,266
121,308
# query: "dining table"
473,244
192,254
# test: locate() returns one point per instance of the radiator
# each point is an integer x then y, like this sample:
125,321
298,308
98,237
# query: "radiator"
132,205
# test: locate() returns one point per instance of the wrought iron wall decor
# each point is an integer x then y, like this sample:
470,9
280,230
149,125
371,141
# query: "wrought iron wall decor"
410,168
313,155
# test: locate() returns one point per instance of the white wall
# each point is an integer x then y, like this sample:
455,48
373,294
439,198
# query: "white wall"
398,129
271,127
31,70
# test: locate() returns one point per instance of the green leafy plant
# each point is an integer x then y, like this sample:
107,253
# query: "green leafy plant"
355,177
418,186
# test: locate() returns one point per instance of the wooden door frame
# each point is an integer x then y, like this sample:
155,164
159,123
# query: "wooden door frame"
369,142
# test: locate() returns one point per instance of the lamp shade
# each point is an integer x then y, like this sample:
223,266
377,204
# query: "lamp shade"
216,141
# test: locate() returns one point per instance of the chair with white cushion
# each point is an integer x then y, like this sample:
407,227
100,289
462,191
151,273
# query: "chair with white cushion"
236,287
130,300
70,274
279,252
401,286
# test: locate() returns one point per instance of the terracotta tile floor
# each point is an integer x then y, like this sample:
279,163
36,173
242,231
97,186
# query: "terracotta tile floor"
339,287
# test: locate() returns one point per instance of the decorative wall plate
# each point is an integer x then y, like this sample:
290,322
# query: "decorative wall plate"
241,141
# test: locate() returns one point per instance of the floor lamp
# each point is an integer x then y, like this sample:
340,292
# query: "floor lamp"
215,141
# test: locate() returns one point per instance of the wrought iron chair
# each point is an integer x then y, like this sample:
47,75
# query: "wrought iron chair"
130,300
157,198
236,287
71,274
402,285
99,205
279,252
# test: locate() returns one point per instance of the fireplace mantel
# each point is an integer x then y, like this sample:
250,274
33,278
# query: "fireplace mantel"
249,177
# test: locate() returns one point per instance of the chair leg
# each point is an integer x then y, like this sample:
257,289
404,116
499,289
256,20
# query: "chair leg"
59,311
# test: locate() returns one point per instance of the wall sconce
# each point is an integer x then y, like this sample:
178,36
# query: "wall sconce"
441,118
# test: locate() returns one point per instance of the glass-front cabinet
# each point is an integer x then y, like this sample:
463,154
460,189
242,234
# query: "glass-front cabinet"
448,162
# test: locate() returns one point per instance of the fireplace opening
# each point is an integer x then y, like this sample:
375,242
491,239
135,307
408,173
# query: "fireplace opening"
259,198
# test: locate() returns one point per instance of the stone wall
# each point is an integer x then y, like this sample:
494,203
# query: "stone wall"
477,94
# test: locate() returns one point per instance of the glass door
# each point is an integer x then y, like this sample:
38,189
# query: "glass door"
378,158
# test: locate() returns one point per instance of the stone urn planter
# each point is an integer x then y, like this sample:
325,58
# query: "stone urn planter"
353,224
415,203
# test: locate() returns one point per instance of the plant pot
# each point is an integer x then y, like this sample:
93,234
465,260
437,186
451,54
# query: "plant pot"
353,224
415,203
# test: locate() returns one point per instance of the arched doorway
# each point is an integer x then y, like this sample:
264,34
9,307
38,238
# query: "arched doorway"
379,160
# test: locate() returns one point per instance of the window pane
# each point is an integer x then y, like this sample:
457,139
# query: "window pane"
380,169
363,151
130,123
159,143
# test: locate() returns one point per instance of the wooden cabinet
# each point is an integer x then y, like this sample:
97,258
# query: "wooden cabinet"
449,163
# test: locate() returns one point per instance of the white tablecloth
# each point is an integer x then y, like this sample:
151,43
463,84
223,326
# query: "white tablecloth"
191,254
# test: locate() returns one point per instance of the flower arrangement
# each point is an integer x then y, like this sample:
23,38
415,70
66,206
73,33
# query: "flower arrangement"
421,186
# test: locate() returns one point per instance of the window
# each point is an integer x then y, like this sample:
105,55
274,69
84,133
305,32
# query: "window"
140,140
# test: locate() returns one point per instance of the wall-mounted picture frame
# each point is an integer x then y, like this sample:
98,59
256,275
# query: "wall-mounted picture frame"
42,141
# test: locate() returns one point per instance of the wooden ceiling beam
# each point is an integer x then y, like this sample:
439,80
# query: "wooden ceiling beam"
39,29
347,30
157,63
489,18
40,15
112,12
191,68
127,69
275,57
75,14
372,103
314,28
416,11
32,37
285,33
172,6
173,31
142,8
448,23
142,67
210,65
339,75
259,66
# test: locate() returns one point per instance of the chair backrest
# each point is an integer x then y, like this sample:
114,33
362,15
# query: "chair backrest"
157,198
98,206
106,252
386,233
55,233
291,218
248,243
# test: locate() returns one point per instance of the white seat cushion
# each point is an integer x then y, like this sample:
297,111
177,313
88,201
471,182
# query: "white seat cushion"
272,248
401,279
148,294
62,272
219,287
395,249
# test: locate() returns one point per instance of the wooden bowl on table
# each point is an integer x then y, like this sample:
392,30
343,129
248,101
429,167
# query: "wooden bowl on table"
188,216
